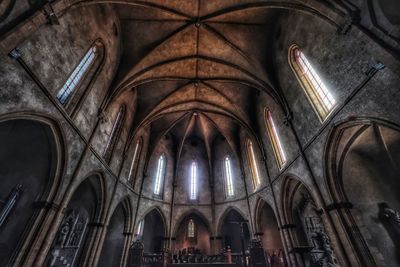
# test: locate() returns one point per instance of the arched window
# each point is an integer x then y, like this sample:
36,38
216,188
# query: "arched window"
191,229
88,65
253,164
317,93
135,161
228,177
274,138
159,175
115,134
193,181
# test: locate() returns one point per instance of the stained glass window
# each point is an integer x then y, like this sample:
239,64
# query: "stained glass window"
191,229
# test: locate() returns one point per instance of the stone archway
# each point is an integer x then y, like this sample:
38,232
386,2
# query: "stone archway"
115,240
363,168
305,226
28,167
154,231
230,230
202,234
267,224
73,240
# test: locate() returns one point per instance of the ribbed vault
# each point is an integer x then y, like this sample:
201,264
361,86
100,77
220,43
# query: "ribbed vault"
198,67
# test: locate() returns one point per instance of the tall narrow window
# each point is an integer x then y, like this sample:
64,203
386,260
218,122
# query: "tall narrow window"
115,134
274,138
193,181
316,91
228,177
253,164
77,75
159,175
191,229
135,160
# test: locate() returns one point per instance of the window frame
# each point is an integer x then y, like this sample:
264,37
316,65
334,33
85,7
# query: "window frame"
251,157
313,94
161,177
226,187
131,179
277,147
193,181
191,229
78,93
115,134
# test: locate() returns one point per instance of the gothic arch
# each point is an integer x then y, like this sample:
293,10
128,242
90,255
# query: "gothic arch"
351,142
39,138
267,228
225,213
186,214
289,187
83,214
119,229
153,232
160,212
261,202
202,232
303,222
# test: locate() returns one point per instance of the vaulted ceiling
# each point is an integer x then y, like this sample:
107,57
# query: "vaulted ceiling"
197,66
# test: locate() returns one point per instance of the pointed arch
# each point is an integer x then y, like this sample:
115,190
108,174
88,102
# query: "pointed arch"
86,206
116,242
317,93
159,211
188,213
28,190
368,145
225,213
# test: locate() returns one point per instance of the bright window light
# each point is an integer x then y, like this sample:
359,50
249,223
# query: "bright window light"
193,181
76,77
159,175
253,164
228,177
274,137
135,155
316,91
